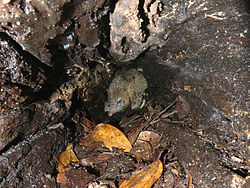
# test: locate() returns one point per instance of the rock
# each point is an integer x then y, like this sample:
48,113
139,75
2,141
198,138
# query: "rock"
140,25
32,23
19,76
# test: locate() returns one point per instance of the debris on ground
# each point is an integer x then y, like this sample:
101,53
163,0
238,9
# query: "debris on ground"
190,114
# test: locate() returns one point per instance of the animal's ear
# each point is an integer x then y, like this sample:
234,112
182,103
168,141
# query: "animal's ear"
123,88
139,69
119,100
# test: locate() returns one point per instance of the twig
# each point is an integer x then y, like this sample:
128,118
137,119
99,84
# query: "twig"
176,122
167,115
58,161
189,177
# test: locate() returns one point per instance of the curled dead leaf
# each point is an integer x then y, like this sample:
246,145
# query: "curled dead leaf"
182,106
146,177
75,178
110,136
65,158
145,145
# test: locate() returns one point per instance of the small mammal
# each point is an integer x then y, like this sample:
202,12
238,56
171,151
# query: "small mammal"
126,89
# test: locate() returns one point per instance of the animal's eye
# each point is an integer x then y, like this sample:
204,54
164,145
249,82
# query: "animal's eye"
119,100
106,104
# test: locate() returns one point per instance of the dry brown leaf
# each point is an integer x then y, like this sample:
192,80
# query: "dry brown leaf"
147,136
87,123
143,148
65,158
95,159
74,178
133,135
146,177
182,106
110,136
61,178
87,140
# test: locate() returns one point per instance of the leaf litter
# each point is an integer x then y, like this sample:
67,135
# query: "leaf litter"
136,158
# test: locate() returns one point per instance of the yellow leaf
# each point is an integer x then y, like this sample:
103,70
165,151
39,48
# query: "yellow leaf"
111,137
65,158
146,177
